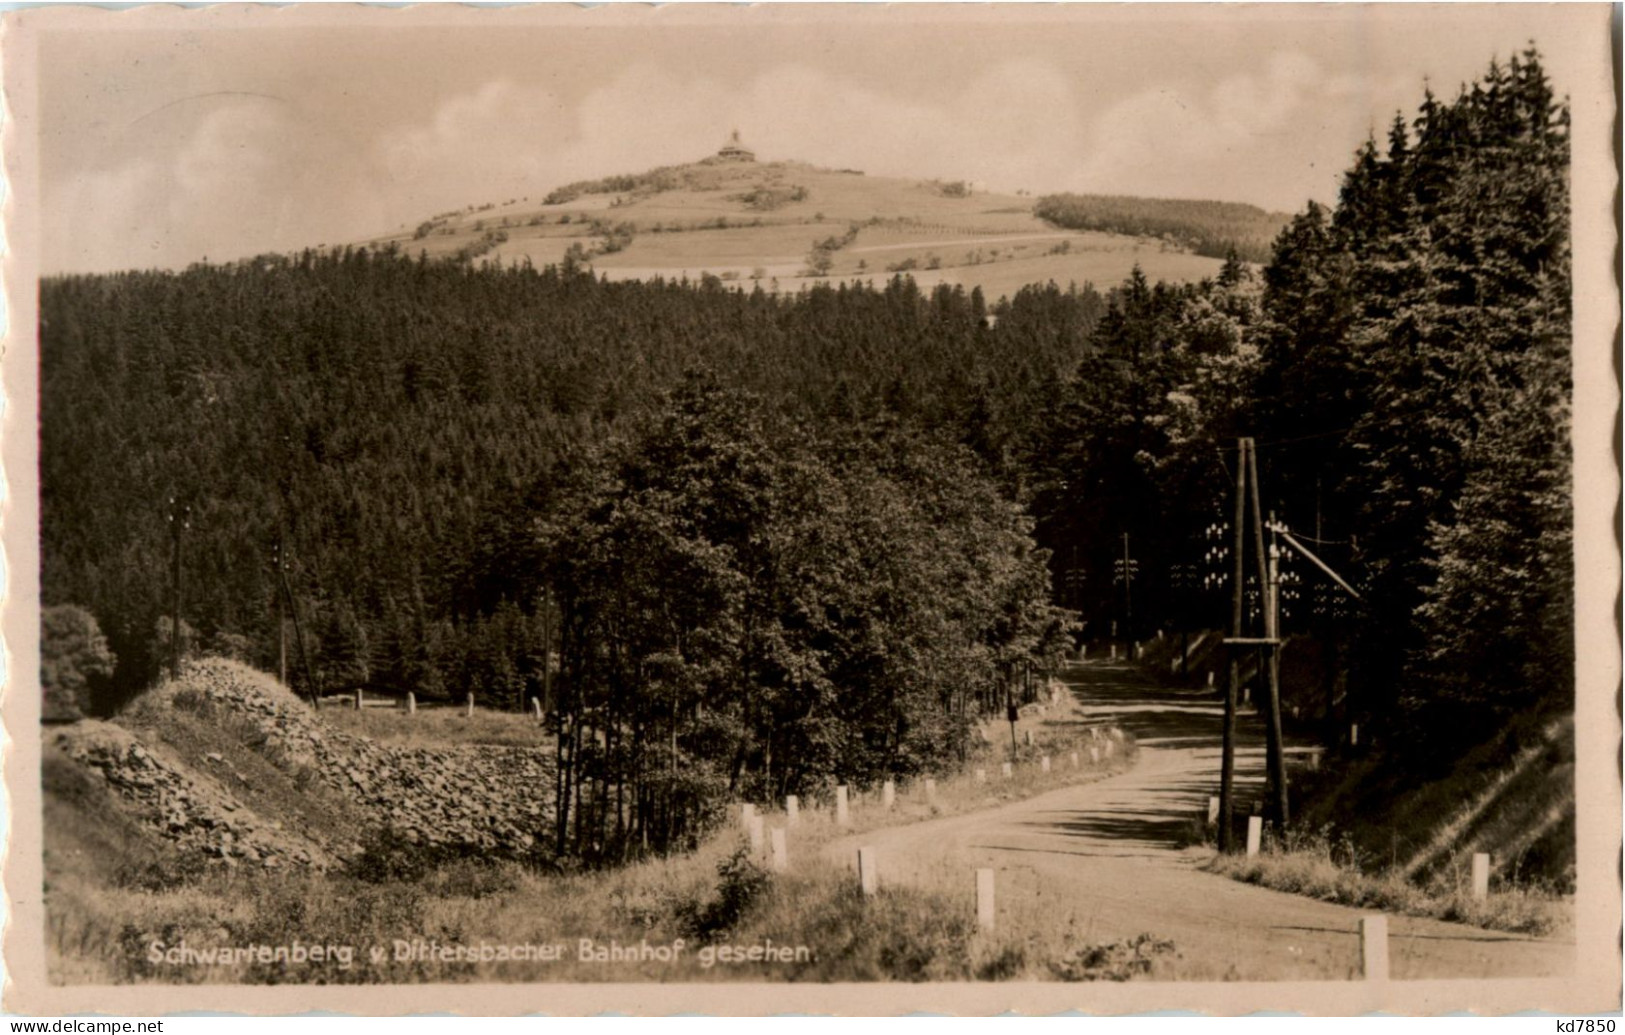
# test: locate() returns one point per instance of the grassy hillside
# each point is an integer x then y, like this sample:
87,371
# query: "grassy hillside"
764,222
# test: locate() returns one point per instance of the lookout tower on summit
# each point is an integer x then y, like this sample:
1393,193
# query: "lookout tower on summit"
734,151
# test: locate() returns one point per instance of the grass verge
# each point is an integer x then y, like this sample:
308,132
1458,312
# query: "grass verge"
713,915
437,725
1315,866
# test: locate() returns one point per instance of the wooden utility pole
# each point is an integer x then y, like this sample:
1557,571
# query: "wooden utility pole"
180,521
1010,712
547,649
1277,739
299,638
1128,594
1227,765
1247,490
1267,581
278,566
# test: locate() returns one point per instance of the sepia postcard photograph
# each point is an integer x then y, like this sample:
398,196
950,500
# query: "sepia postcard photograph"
811,508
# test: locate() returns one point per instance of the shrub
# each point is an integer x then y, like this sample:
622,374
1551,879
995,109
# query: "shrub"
740,884
388,856
75,662
1118,961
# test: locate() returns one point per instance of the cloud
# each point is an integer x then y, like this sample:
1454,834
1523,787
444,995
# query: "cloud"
104,220
505,139
1014,123
229,177
1275,137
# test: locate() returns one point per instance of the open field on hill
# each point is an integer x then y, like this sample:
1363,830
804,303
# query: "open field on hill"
761,223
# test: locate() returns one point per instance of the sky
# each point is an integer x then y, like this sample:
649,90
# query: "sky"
170,137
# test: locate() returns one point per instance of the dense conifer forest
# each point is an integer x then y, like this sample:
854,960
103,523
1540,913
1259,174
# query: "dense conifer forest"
1213,228
773,540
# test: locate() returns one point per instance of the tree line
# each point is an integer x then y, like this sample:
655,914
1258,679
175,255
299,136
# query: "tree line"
385,419
1404,363
1214,228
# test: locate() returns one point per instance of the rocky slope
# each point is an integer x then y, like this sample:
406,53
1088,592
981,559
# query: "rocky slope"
226,762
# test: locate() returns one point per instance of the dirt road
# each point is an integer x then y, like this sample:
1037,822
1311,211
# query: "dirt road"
1106,855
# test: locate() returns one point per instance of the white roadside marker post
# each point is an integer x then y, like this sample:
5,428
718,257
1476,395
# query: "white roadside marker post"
1043,764
1255,834
868,879
1374,948
411,703
1481,875
930,790
1007,770
1210,678
843,814
781,852
1212,809
792,810
536,708
1114,652
469,713
360,701
984,899
888,794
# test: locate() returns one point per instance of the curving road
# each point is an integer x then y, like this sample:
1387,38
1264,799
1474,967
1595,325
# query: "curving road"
1105,857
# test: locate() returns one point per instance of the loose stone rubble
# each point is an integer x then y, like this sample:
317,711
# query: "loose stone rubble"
488,799
196,813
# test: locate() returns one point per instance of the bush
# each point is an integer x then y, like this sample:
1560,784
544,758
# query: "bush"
388,856
75,662
1118,961
740,884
